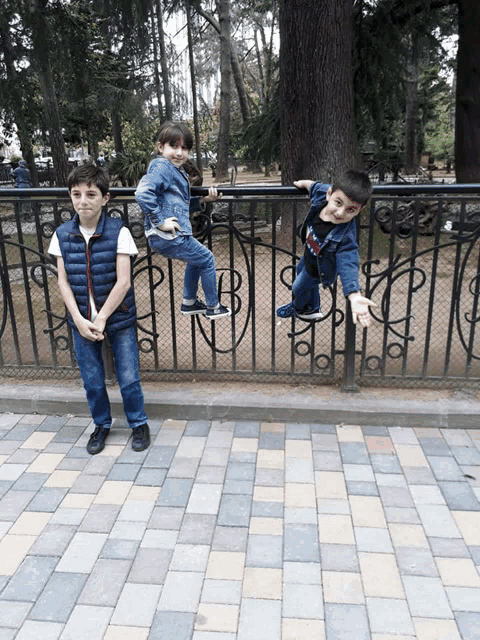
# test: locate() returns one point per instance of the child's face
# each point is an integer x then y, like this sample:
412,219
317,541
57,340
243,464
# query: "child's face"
88,201
177,154
339,209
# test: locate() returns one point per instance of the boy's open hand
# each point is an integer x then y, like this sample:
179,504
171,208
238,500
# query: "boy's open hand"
212,195
170,224
303,184
360,306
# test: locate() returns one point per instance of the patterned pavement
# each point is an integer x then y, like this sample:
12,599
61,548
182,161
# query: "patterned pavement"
238,530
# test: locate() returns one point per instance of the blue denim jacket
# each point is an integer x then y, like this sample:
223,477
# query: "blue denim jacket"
164,192
339,249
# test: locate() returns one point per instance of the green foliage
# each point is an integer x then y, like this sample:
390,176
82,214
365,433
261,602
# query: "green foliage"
139,142
261,138
439,138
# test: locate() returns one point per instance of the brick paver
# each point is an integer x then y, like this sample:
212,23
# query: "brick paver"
239,531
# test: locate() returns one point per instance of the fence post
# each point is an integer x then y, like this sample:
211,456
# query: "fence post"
349,384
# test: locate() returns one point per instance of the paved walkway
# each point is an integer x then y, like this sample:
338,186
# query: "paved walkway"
238,530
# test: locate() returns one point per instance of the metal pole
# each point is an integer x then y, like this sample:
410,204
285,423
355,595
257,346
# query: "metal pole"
349,384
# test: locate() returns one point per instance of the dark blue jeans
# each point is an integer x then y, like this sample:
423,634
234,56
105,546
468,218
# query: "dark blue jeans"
200,265
305,289
90,361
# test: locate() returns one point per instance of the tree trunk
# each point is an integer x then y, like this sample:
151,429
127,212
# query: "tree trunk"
193,80
41,55
467,129
116,130
223,8
316,85
164,63
411,111
156,75
235,63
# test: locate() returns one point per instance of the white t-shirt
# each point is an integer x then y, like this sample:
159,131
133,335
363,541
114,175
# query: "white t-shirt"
125,245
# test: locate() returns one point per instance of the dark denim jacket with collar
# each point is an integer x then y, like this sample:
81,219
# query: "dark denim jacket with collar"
339,251
164,192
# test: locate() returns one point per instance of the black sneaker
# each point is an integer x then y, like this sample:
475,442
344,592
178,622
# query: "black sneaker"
96,443
309,314
140,437
198,307
218,312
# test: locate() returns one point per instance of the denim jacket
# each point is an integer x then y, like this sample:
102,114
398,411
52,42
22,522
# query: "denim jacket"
164,192
339,250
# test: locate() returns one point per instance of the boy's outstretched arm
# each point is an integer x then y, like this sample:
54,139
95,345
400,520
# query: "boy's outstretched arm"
360,305
85,328
303,184
117,294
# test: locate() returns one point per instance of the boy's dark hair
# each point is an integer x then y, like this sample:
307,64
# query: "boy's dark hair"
172,132
89,174
355,185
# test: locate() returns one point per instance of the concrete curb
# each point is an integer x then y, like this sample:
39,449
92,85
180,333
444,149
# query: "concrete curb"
312,405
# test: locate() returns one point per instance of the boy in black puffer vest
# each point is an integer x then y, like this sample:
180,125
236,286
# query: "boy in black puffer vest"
94,253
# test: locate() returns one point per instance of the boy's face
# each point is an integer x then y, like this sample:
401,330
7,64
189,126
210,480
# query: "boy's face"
88,201
177,154
339,209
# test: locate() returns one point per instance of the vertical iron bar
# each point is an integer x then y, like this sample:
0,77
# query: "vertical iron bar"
349,384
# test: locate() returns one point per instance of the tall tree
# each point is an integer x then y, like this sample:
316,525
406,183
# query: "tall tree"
36,13
223,8
316,89
467,121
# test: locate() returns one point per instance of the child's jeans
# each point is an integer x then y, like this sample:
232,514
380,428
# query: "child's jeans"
305,289
90,361
200,264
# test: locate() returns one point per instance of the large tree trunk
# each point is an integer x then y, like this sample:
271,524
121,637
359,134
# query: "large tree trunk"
316,85
223,7
467,129
411,112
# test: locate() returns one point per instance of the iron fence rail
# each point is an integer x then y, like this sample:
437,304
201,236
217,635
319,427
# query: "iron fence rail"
420,262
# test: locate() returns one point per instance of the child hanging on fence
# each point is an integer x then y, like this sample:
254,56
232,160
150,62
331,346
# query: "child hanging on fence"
331,249
93,254
164,197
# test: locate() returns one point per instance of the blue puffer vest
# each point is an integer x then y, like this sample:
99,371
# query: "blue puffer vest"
94,268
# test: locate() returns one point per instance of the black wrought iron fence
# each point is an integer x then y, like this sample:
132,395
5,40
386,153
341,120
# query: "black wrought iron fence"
420,262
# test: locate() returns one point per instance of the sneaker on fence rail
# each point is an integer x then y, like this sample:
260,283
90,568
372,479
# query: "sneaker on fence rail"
309,314
286,311
194,308
289,311
218,312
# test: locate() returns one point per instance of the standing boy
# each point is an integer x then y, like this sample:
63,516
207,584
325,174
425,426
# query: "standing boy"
331,248
94,254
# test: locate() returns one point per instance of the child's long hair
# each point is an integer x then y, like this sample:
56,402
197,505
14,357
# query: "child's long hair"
172,132
355,185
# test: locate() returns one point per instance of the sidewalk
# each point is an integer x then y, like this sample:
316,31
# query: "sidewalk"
240,529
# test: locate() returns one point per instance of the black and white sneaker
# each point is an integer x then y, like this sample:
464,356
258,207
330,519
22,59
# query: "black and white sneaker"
309,314
218,312
197,308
